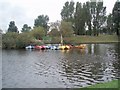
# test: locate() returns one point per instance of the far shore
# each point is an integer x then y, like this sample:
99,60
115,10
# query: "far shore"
77,40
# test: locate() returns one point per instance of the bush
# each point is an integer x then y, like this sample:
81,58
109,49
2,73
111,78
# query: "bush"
12,40
23,40
9,40
38,32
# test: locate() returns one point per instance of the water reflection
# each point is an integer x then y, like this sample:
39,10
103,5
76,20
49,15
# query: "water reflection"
67,69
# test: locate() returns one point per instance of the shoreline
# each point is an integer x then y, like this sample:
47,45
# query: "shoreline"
66,44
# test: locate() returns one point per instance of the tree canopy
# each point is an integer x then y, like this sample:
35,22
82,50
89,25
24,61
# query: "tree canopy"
68,11
38,32
116,17
12,27
66,29
42,21
26,28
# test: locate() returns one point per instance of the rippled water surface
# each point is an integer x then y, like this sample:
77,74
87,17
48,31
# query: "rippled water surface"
60,69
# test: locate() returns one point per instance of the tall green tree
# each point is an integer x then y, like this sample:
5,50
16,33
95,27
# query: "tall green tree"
67,12
79,19
88,17
98,13
42,21
66,29
110,29
26,28
116,17
12,27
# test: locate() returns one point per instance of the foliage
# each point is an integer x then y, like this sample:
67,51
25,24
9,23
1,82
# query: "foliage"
98,12
13,40
38,32
90,14
66,29
79,19
88,18
12,27
1,31
54,33
110,24
23,40
9,40
116,17
68,11
26,28
42,21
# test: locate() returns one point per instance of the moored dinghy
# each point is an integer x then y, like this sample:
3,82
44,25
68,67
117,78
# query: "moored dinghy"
54,47
40,47
64,47
29,47
37,47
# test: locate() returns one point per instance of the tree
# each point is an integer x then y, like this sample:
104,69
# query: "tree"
42,21
9,40
88,18
110,29
54,32
98,12
12,27
23,40
13,40
79,19
38,32
1,31
67,12
26,28
66,29
116,17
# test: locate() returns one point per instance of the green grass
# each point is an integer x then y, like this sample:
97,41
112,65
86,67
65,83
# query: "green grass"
87,39
92,39
112,84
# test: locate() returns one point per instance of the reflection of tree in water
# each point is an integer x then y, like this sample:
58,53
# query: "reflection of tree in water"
93,48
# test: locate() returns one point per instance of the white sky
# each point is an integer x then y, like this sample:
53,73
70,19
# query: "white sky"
25,11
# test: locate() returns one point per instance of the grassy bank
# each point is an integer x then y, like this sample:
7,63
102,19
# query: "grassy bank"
112,84
88,39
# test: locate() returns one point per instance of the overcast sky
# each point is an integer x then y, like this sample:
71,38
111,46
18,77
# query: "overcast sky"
25,11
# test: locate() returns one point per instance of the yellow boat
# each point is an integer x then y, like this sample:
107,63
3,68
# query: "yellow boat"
64,47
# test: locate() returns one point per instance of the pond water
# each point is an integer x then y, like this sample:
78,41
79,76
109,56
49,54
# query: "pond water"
73,68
